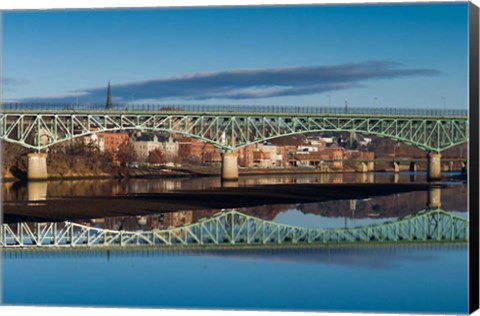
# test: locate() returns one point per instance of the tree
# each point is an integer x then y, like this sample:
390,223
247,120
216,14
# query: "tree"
125,154
155,156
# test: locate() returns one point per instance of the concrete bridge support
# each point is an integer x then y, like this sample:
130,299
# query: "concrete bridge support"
413,166
370,166
450,166
37,166
363,167
434,170
434,198
229,166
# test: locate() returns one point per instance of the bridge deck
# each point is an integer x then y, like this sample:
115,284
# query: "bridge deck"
202,109
39,128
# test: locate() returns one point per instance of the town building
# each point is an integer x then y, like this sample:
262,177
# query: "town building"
111,141
143,144
194,150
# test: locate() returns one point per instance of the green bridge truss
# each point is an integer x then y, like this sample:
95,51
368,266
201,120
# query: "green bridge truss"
231,227
39,129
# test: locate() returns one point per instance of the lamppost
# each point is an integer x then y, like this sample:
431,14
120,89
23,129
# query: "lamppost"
444,99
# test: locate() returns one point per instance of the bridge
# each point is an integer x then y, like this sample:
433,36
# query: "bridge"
40,126
232,228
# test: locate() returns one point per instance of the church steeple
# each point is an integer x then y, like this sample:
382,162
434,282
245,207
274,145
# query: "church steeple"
109,98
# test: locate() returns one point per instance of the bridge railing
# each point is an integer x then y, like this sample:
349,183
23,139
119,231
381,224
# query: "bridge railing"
206,108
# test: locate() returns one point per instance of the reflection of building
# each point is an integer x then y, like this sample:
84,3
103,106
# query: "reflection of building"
175,219
169,220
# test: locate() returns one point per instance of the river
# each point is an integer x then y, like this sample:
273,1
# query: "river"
403,277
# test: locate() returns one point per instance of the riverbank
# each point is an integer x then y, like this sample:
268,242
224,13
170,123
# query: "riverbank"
184,171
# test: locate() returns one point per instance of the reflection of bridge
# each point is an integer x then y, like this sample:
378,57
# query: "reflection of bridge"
367,165
43,126
235,228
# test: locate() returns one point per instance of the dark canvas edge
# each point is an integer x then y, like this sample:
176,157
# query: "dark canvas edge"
473,158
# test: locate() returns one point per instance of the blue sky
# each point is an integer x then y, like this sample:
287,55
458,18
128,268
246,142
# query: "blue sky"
405,55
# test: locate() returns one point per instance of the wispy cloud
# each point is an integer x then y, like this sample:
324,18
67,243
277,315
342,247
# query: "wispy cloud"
8,81
251,83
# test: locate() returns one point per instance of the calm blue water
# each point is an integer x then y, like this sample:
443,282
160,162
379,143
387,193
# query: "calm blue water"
395,278
384,279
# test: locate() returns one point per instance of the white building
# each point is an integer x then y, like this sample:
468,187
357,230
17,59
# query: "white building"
327,140
143,148
144,145
95,140
170,149
273,158
365,141
306,149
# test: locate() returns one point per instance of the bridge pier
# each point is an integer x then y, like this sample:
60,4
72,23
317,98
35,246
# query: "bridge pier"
370,166
434,198
37,166
229,166
363,167
450,166
413,166
434,170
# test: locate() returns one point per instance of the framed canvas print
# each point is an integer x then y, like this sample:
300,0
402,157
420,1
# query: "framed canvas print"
295,157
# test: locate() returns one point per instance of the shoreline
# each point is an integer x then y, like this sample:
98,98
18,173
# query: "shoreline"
187,172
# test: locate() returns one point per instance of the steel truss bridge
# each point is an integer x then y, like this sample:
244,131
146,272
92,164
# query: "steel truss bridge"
40,126
231,227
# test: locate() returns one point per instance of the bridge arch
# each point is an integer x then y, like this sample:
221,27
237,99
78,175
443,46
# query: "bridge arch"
58,141
227,147
230,131
403,140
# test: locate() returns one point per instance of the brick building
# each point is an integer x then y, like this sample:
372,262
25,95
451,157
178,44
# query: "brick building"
111,141
191,149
